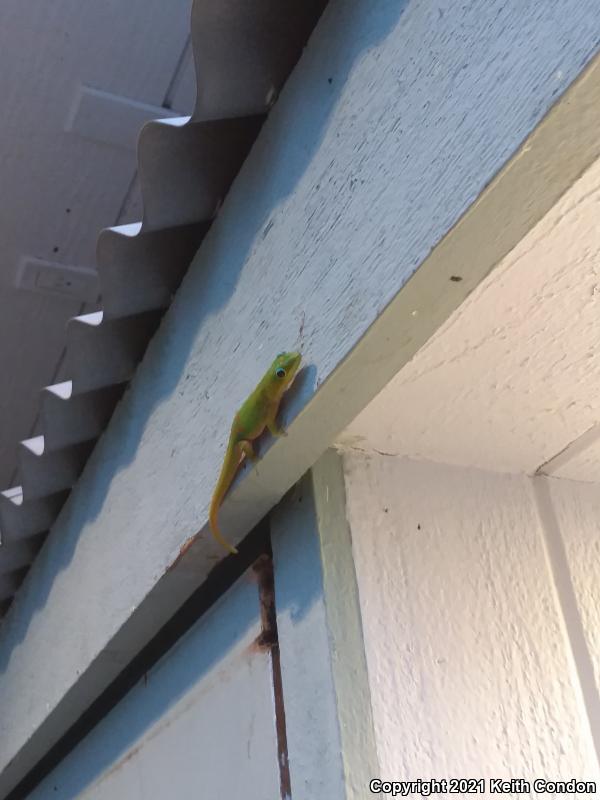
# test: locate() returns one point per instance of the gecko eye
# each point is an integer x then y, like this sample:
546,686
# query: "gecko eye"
280,372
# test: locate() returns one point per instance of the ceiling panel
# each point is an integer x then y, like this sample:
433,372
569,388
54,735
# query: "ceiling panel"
65,66
513,378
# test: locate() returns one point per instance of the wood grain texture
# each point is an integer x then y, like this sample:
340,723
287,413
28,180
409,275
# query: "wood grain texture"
469,668
394,121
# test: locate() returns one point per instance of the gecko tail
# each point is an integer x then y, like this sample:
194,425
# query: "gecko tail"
218,536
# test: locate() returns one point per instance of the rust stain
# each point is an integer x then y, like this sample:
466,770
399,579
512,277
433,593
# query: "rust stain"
285,781
263,569
183,550
116,767
263,643
268,641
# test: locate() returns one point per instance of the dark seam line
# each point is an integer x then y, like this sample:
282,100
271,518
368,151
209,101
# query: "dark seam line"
269,639
219,580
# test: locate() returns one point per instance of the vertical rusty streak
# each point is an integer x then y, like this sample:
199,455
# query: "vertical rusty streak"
268,639
282,750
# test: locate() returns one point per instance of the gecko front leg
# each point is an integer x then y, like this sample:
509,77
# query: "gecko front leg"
274,428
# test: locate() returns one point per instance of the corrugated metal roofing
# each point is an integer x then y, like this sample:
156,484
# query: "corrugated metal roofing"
243,54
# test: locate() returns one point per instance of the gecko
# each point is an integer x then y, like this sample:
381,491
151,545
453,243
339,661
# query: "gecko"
258,412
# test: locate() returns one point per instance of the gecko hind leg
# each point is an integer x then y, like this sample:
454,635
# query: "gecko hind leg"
248,450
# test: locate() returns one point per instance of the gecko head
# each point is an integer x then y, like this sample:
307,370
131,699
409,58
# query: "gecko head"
283,370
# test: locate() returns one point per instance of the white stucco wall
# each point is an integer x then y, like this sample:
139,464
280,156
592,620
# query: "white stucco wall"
476,666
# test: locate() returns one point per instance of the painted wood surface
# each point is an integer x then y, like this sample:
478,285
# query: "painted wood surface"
330,737
394,121
313,736
470,663
201,724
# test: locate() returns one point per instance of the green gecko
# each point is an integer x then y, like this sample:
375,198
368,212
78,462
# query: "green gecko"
257,413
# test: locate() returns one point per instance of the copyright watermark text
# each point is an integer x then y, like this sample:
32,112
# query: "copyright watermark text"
460,786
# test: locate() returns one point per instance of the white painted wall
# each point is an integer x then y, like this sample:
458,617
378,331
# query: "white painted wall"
477,654
572,518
